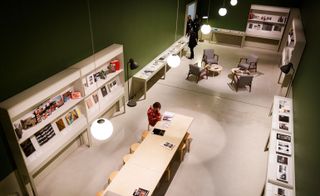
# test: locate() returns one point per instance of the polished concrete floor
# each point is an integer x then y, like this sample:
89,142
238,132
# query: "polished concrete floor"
229,131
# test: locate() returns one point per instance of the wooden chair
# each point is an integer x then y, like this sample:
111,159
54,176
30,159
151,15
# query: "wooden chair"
134,147
195,70
188,141
209,57
182,151
112,176
100,193
144,135
242,81
126,158
168,173
249,63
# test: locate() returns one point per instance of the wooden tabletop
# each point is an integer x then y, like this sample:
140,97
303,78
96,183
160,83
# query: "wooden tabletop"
149,162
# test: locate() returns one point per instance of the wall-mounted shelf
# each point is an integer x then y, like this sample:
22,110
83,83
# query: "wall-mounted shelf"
42,121
265,26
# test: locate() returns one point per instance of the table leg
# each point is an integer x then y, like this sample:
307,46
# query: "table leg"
124,104
165,71
266,148
145,90
263,190
279,77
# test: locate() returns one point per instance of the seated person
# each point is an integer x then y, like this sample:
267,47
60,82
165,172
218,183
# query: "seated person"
154,114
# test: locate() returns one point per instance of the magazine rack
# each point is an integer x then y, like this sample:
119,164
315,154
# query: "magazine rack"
42,122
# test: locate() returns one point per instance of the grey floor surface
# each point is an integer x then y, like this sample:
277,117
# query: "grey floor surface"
229,131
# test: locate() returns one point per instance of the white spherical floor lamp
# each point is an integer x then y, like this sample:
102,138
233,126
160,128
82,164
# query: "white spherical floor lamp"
101,129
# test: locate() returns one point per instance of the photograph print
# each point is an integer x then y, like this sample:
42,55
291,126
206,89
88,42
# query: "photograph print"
104,91
282,173
71,116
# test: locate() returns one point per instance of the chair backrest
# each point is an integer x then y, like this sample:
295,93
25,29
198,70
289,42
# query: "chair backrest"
194,69
245,80
252,58
209,53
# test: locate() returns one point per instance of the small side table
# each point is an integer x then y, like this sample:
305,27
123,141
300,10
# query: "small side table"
214,69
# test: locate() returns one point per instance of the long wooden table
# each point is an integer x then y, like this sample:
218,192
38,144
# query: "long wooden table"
149,162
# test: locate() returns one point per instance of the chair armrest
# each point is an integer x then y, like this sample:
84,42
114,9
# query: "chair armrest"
216,56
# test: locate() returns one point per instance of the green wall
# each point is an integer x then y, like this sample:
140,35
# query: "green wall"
41,38
306,105
236,18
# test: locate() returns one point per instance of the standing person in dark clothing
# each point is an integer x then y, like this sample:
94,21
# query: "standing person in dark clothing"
189,25
196,25
192,43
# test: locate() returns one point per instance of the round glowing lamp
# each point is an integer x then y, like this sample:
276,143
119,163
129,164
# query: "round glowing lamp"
101,129
173,60
222,11
205,29
234,2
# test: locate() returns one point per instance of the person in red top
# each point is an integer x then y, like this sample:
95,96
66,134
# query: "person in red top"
154,114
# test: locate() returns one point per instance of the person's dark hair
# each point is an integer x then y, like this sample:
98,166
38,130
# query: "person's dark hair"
156,105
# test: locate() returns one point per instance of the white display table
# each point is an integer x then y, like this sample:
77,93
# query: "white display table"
157,64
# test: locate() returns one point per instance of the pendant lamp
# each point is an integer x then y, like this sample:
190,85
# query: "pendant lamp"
223,10
233,2
206,28
101,129
173,60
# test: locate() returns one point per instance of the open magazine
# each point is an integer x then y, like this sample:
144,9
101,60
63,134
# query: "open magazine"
168,116
140,192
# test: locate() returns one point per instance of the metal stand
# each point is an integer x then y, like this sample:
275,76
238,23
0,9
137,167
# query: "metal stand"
131,103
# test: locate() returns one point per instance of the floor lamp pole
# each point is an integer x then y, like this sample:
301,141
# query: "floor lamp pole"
131,102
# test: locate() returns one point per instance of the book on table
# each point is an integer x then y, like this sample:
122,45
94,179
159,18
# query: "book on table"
140,192
157,131
168,145
168,116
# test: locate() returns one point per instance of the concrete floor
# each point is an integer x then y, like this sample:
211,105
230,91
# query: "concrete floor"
229,133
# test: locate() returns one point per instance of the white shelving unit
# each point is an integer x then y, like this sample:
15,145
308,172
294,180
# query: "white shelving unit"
93,92
37,138
280,170
265,26
293,46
